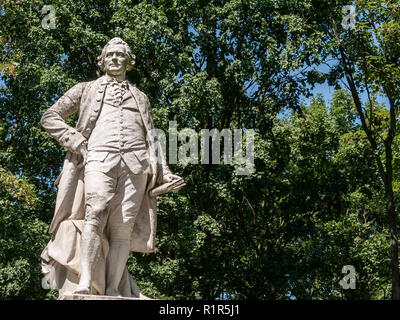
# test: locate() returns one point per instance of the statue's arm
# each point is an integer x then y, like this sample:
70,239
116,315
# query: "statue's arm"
165,168
159,151
53,120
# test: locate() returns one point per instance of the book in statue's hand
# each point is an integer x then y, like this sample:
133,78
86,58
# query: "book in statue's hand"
171,186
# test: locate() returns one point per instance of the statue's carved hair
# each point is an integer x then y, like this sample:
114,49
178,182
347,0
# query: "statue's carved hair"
116,41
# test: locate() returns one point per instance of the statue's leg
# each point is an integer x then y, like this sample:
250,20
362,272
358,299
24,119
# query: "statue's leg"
99,190
89,253
126,205
117,257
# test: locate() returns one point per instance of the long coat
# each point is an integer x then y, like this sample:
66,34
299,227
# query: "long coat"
86,99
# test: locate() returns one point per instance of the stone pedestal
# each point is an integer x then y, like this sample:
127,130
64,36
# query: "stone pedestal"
94,297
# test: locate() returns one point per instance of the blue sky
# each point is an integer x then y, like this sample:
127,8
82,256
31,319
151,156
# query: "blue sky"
327,92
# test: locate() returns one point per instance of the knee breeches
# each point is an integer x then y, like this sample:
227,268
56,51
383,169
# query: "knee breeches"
113,196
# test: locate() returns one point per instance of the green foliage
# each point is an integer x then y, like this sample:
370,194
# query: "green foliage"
314,202
22,238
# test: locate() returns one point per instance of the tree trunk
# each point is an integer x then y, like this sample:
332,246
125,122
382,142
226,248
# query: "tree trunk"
394,244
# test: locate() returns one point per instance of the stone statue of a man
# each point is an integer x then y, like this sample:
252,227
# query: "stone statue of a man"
104,208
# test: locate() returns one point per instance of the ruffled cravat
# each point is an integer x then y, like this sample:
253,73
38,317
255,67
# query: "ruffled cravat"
118,89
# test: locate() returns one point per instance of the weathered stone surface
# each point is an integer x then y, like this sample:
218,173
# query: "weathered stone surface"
104,207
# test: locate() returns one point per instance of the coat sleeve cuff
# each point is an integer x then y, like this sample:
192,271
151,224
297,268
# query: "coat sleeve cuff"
72,139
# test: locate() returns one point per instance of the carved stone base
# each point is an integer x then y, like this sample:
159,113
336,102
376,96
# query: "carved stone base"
94,297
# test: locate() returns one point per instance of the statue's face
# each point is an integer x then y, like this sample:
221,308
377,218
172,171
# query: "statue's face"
116,60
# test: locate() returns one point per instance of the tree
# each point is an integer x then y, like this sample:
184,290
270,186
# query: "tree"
333,201
282,232
367,61
20,228
214,64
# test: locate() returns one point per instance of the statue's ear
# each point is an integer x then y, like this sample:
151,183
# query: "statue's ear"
100,63
130,65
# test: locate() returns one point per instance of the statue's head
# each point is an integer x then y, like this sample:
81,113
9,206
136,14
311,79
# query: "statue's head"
116,57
